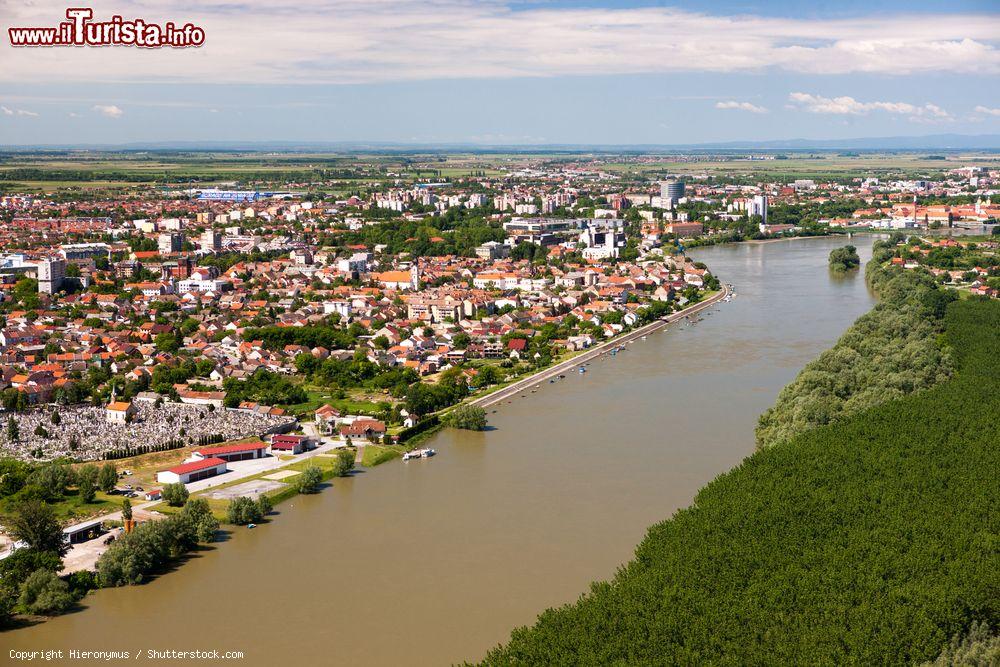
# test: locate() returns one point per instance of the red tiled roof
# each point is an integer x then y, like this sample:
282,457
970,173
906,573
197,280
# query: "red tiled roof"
284,445
230,449
195,466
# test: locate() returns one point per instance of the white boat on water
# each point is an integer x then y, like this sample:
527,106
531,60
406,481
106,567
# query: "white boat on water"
419,454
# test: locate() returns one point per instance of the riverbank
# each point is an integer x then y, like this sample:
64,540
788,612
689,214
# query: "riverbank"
596,351
858,532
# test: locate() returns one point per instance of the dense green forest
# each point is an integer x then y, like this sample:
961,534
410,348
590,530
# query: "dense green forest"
873,540
889,352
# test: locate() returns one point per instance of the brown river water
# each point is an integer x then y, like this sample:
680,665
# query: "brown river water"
433,562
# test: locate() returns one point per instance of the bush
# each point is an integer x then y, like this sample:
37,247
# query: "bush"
175,494
310,479
468,417
242,511
45,593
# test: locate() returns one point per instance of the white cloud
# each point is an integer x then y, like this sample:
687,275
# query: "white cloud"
109,110
354,41
849,106
7,111
987,110
742,106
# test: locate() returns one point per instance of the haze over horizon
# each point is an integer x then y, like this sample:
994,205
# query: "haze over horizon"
502,72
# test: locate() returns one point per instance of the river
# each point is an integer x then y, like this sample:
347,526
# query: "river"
435,561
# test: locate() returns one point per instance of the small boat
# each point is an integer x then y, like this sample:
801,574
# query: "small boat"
561,376
419,454
644,338
582,369
251,525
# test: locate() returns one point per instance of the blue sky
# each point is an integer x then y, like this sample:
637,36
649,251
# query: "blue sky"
496,72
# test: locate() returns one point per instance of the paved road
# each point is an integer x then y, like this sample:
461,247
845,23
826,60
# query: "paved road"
568,365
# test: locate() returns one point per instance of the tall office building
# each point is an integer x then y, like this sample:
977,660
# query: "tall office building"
211,240
51,272
170,242
671,191
758,206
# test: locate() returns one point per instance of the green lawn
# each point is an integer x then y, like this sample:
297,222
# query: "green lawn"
318,398
72,509
377,454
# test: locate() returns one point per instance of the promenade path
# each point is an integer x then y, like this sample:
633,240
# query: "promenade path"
596,351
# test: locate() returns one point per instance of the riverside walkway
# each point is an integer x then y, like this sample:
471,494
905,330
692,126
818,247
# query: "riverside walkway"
596,351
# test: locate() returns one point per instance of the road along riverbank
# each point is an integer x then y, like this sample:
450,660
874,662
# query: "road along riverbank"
596,351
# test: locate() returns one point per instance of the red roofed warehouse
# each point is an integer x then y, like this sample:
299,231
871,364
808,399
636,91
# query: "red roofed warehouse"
236,452
295,444
193,471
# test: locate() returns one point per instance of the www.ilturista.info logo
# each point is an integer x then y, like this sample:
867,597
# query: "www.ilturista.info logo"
80,30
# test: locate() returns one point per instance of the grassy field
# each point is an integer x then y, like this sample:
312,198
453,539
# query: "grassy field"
350,405
72,509
343,172
377,454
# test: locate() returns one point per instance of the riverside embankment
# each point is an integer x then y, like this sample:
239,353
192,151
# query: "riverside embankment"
596,351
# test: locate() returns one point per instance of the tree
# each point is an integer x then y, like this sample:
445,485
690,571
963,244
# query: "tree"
175,494
7,597
51,479
87,482
468,417
199,514
107,478
167,342
18,566
344,463
56,419
35,523
45,593
13,432
310,479
243,511
126,509
844,259
264,505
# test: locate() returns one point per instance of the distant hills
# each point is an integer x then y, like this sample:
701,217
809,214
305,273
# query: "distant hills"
942,142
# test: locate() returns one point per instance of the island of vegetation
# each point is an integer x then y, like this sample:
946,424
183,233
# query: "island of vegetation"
844,259
867,540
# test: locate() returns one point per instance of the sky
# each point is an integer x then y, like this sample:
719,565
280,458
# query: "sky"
511,72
